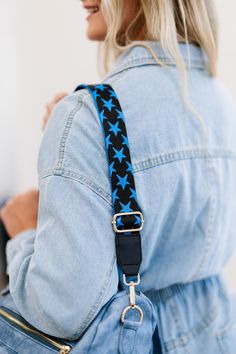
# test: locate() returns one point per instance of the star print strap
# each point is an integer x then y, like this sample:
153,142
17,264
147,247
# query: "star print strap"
127,220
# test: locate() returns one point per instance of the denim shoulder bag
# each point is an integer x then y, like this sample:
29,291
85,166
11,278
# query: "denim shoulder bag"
129,315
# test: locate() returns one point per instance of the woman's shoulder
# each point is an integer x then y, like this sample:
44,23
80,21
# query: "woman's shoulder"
155,104
72,141
156,121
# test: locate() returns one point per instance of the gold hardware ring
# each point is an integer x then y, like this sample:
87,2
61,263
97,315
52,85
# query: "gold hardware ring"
132,307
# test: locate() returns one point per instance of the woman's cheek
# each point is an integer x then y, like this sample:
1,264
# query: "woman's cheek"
97,28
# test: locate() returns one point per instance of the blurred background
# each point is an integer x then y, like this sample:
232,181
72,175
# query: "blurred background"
44,50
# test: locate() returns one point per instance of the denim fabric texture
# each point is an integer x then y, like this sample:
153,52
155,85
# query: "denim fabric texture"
63,272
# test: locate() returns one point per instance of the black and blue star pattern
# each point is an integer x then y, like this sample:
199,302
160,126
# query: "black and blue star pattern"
124,197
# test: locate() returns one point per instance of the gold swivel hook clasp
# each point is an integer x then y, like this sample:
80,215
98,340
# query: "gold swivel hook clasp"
132,305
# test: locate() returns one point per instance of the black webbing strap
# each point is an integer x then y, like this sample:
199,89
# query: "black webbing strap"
124,198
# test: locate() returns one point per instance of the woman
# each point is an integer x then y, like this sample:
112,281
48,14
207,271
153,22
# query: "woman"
61,256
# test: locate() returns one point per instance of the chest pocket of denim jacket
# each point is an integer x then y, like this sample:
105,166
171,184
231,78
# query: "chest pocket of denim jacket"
227,338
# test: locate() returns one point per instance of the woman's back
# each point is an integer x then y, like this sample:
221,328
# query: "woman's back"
186,188
186,192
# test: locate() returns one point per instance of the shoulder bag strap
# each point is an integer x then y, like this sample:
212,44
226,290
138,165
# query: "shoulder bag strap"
127,220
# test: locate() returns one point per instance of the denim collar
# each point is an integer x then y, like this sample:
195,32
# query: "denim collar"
139,55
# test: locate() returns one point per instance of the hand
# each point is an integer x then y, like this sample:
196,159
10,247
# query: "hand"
20,212
50,105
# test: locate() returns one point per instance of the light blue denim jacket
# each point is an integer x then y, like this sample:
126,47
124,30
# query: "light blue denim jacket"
62,272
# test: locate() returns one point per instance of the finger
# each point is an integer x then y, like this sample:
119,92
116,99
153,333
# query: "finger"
1,212
4,213
44,121
33,191
9,202
46,117
55,100
59,96
49,106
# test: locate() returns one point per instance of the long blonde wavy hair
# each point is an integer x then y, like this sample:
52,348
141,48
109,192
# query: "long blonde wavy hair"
167,21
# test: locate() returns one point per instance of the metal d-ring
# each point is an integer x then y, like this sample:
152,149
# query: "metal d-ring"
133,308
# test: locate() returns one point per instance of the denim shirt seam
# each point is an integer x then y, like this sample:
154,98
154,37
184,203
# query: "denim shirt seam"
177,320
80,178
69,121
187,153
139,166
210,222
194,64
184,339
61,154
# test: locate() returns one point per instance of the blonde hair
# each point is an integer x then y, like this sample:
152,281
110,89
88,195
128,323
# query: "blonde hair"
168,21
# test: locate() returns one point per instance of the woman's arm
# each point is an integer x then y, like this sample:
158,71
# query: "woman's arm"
63,272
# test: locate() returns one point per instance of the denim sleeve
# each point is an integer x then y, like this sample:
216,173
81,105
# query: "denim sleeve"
64,271
23,242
